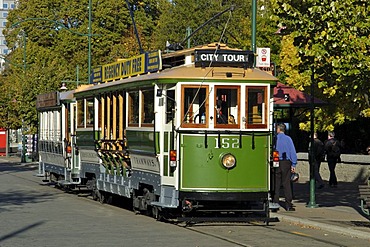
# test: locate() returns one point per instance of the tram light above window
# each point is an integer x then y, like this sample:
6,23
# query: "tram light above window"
173,158
159,92
228,160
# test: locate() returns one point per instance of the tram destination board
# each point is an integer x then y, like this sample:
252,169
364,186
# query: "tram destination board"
243,59
47,100
124,68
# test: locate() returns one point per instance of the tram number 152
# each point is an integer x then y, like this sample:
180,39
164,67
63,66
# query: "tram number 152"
227,142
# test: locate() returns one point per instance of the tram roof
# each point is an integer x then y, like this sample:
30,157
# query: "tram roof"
183,72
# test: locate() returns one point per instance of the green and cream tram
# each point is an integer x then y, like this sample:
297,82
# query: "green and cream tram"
185,134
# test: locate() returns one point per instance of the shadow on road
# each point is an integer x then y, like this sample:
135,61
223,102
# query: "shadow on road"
15,233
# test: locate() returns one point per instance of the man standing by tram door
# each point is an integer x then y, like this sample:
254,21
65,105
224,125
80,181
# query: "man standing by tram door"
287,164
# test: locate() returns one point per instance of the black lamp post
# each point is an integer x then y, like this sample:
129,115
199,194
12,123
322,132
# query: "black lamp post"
312,202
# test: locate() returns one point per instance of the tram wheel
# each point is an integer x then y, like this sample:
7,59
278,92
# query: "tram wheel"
157,213
101,197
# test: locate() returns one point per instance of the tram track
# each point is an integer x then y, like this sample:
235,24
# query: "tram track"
234,227
224,231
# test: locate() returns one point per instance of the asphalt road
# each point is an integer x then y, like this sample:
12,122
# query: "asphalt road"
37,215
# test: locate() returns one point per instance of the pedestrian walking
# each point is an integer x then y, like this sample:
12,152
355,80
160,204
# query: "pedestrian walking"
317,156
287,164
332,150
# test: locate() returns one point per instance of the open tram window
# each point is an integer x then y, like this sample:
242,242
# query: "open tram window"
80,113
89,113
194,106
256,107
227,101
170,105
85,113
133,108
147,117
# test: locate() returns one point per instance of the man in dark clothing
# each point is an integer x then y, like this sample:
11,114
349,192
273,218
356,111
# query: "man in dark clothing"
318,155
332,150
287,164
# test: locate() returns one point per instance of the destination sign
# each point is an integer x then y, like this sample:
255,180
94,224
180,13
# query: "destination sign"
47,100
144,63
96,75
244,59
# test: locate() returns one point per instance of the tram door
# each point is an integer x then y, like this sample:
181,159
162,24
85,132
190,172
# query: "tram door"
74,151
168,141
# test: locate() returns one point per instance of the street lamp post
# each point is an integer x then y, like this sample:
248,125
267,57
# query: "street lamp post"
254,29
89,44
312,202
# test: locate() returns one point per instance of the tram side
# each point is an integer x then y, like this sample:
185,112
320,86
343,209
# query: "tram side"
191,141
55,135
60,159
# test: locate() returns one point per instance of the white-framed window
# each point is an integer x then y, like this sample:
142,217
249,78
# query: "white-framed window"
5,51
5,6
5,14
4,23
12,6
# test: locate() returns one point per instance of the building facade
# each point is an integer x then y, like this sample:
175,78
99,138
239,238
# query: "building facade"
5,7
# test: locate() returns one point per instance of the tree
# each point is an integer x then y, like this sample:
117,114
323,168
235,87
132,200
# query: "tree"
332,40
56,42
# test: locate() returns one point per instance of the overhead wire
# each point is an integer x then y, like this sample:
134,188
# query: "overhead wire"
209,71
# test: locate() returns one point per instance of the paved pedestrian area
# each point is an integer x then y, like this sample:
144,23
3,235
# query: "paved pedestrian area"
335,209
332,209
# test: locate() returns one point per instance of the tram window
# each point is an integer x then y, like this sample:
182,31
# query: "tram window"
148,106
256,107
89,113
80,113
194,105
170,105
133,108
227,106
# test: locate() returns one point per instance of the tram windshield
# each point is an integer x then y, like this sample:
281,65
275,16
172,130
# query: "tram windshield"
226,106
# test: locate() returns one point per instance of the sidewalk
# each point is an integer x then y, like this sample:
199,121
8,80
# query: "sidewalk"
338,210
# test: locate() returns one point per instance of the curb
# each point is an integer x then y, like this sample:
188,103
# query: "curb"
323,226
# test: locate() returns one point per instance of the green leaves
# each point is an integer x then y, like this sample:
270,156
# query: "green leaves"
56,45
334,37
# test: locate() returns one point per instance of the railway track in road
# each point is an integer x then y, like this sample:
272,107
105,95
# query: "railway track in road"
232,234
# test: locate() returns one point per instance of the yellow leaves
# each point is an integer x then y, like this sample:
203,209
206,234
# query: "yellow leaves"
330,91
290,61
365,112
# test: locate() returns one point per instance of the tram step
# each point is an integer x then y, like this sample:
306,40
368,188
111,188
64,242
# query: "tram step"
64,182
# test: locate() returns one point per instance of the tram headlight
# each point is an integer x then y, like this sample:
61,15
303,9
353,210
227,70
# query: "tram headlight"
228,160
